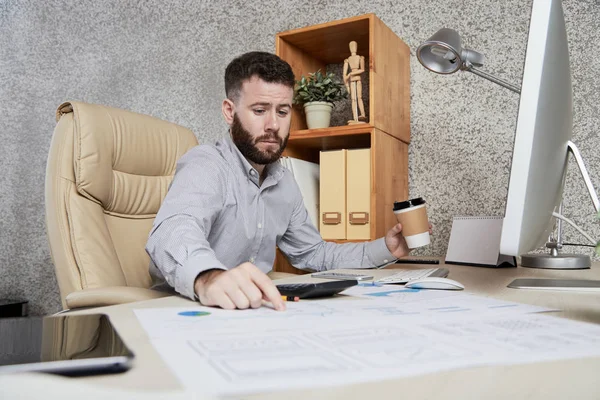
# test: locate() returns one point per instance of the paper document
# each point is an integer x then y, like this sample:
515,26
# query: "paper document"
433,302
336,341
306,174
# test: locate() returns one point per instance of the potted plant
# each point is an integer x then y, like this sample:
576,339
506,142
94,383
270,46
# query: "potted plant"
318,92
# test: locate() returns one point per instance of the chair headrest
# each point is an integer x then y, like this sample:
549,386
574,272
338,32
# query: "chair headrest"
123,160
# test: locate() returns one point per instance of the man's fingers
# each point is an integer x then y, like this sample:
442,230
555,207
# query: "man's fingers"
245,283
253,294
397,228
268,289
242,287
238,298
221,299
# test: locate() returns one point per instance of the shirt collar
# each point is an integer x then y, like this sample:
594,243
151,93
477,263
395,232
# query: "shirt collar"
274,171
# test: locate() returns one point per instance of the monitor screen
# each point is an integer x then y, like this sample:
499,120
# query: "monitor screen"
544,127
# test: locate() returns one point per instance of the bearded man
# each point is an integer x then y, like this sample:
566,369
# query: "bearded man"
231,204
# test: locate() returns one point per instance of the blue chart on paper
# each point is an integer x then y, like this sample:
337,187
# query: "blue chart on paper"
391,292
193,313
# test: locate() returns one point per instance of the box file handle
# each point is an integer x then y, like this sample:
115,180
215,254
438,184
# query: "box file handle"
358,218
332,218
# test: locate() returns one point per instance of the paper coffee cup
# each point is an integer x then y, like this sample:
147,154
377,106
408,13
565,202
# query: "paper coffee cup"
412,214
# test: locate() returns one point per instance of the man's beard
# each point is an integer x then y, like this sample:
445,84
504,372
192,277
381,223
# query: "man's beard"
247,144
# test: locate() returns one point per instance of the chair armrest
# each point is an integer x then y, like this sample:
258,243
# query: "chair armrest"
108,296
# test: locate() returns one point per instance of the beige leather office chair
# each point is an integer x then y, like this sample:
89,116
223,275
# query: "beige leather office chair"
107,174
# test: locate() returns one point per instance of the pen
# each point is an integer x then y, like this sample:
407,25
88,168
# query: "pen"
290,298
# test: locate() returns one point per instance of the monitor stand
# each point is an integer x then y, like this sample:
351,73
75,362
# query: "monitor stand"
554,259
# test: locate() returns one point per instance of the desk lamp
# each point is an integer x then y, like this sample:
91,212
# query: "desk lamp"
443,54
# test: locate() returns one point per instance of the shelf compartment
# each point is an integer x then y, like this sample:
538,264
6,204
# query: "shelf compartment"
328,42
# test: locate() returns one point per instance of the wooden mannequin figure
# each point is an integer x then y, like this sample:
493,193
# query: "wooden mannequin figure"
353,67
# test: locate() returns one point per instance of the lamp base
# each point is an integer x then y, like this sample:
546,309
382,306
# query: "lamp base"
559,261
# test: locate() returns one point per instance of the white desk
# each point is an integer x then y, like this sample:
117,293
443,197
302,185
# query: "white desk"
572,379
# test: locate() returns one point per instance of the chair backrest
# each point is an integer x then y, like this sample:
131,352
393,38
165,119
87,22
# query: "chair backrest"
108,171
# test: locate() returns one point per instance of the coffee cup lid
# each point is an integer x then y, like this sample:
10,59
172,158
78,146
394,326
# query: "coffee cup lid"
401,205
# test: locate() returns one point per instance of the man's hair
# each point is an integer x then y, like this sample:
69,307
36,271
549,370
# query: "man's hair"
266,66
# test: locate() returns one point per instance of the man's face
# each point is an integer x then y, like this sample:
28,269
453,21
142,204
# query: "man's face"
260,125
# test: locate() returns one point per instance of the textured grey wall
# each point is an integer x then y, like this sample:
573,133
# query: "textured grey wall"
166,59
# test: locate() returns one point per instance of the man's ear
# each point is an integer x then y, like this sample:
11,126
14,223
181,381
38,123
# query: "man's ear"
228,110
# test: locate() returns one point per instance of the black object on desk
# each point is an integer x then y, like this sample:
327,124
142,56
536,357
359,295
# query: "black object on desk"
417,261
10,308
317,289
70,345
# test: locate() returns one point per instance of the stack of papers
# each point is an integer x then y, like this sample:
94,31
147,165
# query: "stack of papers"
307,176
379,332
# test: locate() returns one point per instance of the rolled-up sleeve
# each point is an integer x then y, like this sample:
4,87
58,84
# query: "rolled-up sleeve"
177,244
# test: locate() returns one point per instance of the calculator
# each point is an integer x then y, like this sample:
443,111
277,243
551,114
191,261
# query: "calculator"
341,275
317,289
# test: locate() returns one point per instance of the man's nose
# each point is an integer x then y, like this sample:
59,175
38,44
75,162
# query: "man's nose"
272,123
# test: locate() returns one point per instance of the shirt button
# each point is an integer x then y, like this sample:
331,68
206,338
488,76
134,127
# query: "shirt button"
252,173
385,260
259,226
251,259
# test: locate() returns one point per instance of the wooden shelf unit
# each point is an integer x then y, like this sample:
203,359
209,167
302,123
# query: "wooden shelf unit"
387,132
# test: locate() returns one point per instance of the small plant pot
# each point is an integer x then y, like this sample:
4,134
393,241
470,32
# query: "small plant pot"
318,114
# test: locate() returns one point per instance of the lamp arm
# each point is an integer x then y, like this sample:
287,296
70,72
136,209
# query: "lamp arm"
492,78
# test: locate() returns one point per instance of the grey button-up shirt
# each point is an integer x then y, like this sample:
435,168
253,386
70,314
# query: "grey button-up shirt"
217,215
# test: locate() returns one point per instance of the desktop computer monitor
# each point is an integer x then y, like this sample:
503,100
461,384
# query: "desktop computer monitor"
544,126
542,139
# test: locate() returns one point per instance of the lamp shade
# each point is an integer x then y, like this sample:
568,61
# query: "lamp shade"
441,53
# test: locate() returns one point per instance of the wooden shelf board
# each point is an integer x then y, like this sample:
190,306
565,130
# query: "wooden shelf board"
332,131
336,142
307,143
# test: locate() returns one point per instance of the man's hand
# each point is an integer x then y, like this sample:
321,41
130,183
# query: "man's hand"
396,243
242,287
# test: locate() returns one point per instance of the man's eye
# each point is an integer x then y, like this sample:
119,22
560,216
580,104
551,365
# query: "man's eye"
259,111
283,113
